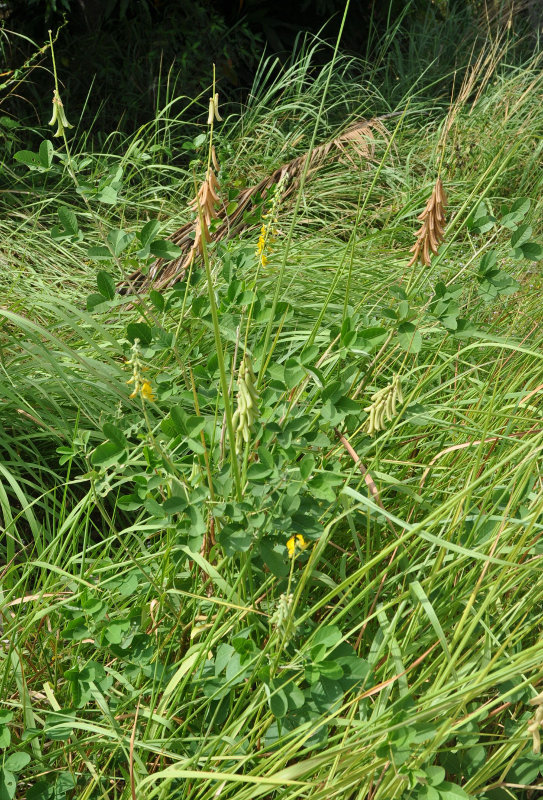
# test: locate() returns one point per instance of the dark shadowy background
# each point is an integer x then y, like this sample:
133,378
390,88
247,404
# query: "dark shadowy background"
120,60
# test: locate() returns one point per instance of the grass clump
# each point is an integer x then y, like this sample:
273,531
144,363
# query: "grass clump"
222,577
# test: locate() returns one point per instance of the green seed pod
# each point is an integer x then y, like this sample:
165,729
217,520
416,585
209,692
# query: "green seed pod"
247,409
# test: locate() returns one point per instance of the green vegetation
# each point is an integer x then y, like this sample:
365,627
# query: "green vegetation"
272,528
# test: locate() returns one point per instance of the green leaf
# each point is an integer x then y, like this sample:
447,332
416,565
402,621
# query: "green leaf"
179,418
274,558
451,791
194,424
294,372
278,703
321,485
532,251
106,285
42,790
329,636
8,784
108,196
409,337
27,157
64,783
141,331
119,240
68,220
488,261
107,454
17,761
295,696
116,631
76,630
435,775
307,465
521,235
161,248
46,154
115,434
517,212
149,231
525,769
100,253
97,302
258,472
157,299
326,694
175,504
5,737
330,669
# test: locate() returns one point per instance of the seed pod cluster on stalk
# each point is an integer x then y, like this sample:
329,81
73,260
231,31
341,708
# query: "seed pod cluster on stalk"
383,406
247,409
282,619
432,231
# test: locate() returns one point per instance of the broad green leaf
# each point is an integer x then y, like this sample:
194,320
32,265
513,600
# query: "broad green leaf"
17,761
106,285
157,299
107,195
116,631
8,784
294,372
521,235
435,775
258,472
46,154
99,253
278,703
175,504
532,251
27,157
76,630
274,558
97,302
68,220
5,737
119,240
115,434
451,791
330,669
149,232
488,261
161,248
41,790
329,635
107,454
141,331
409,337
307,465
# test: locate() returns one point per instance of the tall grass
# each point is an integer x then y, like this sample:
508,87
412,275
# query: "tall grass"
141,658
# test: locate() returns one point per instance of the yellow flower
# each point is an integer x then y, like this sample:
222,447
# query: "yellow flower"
147,391
296,543
142,387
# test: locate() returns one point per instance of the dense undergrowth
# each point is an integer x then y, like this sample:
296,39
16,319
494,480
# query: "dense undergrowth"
305,609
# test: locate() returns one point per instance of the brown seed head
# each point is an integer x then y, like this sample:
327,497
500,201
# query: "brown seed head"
431,232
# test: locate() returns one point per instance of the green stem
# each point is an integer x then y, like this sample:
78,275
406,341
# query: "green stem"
220,357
